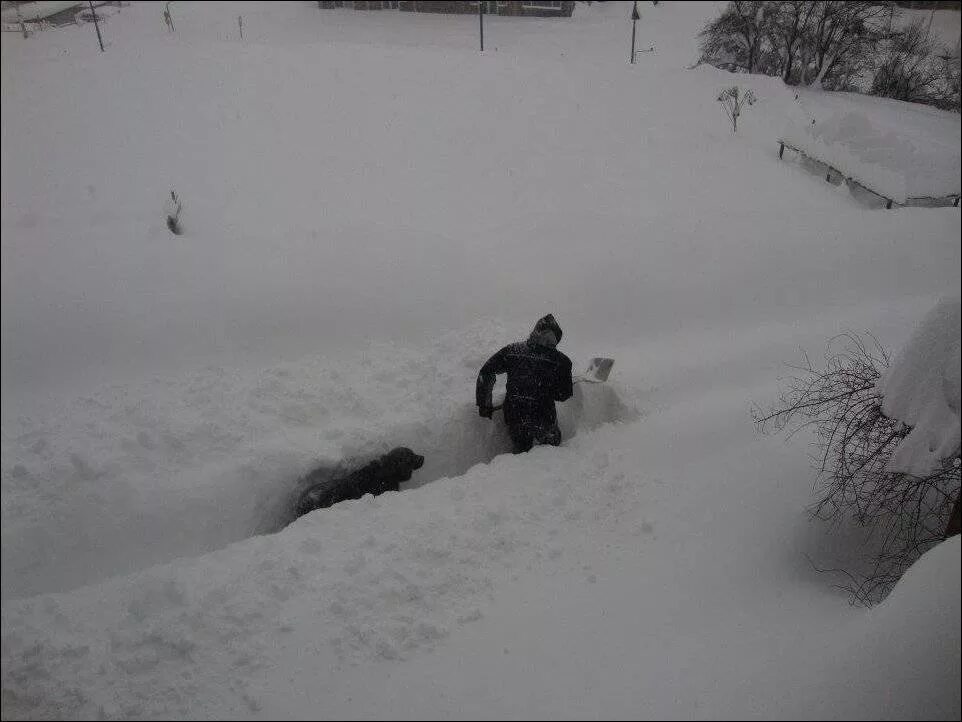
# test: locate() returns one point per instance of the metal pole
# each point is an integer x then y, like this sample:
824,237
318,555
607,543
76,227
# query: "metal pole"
633,41
481,22
96,24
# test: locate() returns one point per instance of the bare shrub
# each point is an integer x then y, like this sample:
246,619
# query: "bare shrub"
733,100
173,214
853,443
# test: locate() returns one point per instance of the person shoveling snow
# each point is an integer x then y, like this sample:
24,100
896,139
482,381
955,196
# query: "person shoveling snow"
538,376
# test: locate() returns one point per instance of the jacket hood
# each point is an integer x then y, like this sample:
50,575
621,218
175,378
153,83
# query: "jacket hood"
546,332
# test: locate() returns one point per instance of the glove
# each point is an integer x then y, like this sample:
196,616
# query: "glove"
485,411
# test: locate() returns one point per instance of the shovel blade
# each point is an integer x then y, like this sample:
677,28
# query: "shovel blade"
598,370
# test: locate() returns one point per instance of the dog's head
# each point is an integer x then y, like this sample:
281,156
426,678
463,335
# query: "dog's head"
401,462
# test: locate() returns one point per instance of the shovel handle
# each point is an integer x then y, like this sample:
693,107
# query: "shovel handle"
575,380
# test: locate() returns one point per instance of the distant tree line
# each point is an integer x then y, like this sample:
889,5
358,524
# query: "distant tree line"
928,4
836,45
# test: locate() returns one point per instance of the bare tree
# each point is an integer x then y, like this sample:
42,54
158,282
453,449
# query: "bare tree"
911,70
853,442
786,32
840,38
735,37
801,41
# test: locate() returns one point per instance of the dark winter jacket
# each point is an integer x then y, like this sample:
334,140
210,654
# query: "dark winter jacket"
538,375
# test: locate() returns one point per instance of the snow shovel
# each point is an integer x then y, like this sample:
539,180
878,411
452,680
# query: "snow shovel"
596,373
598,370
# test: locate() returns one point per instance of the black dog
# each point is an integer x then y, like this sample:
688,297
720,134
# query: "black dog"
383,474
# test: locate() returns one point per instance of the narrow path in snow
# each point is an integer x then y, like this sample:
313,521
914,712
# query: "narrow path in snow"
451,446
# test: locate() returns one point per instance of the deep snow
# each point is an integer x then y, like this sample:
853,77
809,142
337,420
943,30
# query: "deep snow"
350,177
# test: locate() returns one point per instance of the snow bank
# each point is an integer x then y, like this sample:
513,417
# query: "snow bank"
909,647
376,579
921,389
900,660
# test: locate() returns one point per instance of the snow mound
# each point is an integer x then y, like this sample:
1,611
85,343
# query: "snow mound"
911,642
922,390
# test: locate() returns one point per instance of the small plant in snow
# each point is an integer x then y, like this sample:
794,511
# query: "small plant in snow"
173,214
733,100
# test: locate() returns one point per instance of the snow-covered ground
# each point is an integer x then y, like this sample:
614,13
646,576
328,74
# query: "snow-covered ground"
371,208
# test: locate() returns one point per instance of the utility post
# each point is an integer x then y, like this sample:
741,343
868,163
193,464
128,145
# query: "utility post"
481,22
96,24
635,17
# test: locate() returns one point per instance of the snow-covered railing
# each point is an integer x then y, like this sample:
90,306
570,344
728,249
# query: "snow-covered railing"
889,191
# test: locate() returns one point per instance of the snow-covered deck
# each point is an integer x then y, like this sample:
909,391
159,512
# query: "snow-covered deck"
906,153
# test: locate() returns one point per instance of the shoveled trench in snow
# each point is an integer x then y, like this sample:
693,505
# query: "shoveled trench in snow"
129,477
453,445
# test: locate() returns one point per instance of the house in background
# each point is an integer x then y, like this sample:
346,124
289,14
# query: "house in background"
45,14
535,8
17,12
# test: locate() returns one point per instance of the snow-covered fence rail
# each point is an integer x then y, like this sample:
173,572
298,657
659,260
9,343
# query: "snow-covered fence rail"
889,198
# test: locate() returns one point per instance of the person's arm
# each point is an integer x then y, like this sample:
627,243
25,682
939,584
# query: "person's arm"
485,385
563,385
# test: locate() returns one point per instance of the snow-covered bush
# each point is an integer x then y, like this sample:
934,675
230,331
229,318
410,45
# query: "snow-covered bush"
733,100
886,441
